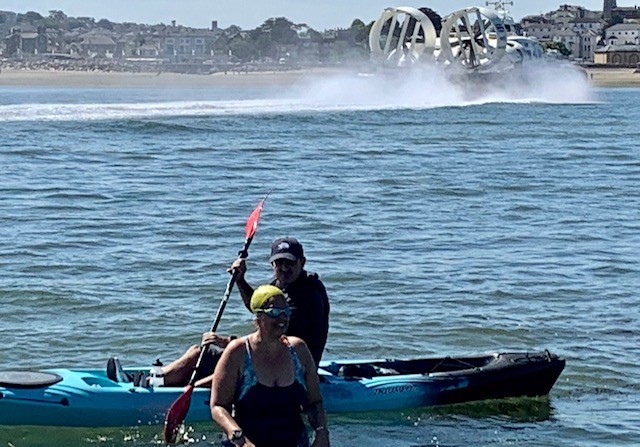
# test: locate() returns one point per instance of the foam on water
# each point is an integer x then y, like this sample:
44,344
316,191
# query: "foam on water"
430,88
90,112
412,89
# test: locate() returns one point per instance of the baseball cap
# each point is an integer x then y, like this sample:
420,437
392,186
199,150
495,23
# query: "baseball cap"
286,248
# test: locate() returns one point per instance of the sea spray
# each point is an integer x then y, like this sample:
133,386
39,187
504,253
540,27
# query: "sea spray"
417,88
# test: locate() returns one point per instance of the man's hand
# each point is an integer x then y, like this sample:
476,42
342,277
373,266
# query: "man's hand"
211,338
239,266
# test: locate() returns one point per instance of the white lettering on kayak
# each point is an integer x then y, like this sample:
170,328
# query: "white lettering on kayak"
394,389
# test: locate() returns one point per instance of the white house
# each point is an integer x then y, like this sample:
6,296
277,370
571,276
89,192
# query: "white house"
623,34
588,45
571,40
582,45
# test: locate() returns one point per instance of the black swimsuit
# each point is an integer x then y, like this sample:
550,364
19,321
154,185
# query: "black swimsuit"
271,416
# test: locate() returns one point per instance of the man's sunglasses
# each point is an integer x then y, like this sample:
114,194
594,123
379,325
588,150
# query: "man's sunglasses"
275,312
283,263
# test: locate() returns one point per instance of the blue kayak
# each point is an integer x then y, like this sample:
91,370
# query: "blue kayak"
88,398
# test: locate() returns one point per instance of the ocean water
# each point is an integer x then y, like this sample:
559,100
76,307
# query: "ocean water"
443,221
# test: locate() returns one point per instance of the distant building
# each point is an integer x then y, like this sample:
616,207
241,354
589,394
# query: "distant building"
612,13
626,13
619,55
587,24
182,44
567,13
148,50
570,39
21,43
126,46
607,9
581,44
538,27
98,45
623,34
575,26
588,45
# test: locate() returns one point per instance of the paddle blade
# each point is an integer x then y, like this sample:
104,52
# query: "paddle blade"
176,414
252,222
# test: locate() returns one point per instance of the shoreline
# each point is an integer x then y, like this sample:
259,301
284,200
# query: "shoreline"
63,78
597,77
613,77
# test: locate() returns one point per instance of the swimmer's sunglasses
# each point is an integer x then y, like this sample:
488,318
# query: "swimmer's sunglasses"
275,312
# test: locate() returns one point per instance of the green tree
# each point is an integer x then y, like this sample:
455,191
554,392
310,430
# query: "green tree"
357,25
315,36
261,42
241,48
31,17
360,31
105,24
52,23
74,24
58,16
560,46
281,30
232,30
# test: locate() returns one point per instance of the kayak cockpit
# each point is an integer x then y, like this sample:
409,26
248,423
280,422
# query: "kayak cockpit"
389,367
439,365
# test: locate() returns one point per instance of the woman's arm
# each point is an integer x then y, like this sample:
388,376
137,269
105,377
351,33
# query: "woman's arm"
223,388
314,408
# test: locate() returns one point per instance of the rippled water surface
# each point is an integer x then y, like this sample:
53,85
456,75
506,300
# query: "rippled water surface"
440,224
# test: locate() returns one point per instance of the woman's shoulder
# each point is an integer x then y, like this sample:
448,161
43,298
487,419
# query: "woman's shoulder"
238,342
236,348
295,341
300,347
306,362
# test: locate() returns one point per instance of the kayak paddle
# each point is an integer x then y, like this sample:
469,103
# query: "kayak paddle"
178,410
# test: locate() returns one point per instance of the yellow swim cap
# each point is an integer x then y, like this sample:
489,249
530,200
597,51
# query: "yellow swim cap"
262,294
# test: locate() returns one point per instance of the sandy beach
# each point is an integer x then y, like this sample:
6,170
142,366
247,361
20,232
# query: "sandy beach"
11,77
600,77
613,77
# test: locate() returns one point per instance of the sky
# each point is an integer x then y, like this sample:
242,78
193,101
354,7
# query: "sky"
249,14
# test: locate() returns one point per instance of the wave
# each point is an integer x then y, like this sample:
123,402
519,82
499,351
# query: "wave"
123,111
361,92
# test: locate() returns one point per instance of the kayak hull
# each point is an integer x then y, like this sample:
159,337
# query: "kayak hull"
87,398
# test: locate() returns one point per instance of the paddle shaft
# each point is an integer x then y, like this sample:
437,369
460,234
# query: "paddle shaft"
179,408
242,254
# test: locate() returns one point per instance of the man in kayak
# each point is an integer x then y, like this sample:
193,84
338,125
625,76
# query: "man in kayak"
305,293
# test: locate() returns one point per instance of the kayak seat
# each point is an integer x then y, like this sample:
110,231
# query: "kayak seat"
115,371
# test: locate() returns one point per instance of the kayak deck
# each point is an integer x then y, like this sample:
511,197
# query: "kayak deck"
87,397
